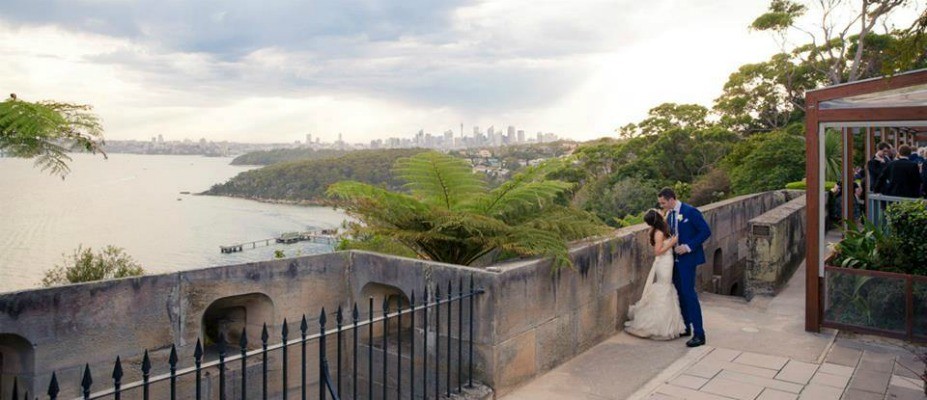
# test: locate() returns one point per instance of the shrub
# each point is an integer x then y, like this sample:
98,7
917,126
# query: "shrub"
907,223
86,266
802,185
711,187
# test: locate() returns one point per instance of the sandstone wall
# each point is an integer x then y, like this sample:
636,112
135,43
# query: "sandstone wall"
777,247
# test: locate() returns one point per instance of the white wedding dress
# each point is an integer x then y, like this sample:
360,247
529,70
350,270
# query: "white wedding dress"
657,315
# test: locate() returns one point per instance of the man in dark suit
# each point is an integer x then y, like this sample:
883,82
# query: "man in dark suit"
877,164
901,177
689,225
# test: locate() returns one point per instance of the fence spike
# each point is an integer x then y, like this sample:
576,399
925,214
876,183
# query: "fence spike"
86,381
117,370
172,359
304,325
198,350
264,335
339,317
15,389
146,364
355,315
285,331
243,342
322,318
53,386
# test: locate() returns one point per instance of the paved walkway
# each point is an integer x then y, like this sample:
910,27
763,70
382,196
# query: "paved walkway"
757,350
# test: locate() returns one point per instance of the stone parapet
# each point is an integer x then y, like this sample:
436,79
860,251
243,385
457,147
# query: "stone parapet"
777,247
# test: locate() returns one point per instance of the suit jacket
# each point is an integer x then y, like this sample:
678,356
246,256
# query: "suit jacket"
900,178
692,232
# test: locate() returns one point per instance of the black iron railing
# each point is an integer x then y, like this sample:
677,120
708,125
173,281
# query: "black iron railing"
327,386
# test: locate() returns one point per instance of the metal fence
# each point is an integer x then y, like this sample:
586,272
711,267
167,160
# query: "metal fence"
878,203
347,328
876,302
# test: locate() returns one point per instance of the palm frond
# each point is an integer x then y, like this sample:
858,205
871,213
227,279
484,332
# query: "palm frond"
439,179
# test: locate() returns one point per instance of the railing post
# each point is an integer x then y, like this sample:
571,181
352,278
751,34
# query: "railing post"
437,341
412,348
283,334
370,349
460,291
15,389
399,351
339,321
355,315
172,363
146,374
450,290
243,348
303,328
222,348
198,362
385,335
264,337
425,345
470,344
322,377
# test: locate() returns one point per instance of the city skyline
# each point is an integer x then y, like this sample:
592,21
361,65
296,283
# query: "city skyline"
242,70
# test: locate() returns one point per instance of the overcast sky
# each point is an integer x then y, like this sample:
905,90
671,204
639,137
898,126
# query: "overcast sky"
271,71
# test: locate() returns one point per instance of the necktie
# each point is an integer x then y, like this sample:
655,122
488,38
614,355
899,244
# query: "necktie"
672,223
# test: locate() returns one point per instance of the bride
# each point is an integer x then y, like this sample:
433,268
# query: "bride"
657,315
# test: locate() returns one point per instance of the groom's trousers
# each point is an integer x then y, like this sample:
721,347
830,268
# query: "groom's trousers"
684,279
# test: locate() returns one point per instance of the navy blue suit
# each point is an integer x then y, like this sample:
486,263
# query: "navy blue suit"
692,231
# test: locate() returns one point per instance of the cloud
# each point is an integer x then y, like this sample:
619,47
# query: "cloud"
233,67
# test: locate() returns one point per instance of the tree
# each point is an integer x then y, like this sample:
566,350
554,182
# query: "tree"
766,162
668,116
47,130
838,45
86,266
449,215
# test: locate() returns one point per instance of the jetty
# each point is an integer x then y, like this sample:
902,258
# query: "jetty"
324,236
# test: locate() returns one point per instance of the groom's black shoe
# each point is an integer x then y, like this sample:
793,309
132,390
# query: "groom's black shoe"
695,342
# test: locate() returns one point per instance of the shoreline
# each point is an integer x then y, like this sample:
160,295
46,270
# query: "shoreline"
304,203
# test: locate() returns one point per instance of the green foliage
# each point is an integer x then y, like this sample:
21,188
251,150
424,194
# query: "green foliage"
865,247
45,131
307,180
86,266
781,15
451,216
627,196
766,162
278,254
275,156
803,184
907,222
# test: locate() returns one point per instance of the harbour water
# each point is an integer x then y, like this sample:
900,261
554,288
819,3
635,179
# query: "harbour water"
135,202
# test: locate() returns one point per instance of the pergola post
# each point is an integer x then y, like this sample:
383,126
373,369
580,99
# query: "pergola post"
814,191
849,195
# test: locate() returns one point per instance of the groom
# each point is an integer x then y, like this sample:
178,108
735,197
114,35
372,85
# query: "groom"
686,222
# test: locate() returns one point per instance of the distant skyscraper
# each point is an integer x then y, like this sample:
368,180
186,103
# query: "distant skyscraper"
521,136
160,139
476,131
308,138
540,137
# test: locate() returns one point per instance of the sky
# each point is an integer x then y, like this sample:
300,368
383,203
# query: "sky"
276,70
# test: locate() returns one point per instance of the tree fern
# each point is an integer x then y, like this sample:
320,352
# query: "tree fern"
450,216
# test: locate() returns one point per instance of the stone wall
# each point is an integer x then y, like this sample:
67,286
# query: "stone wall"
777,247
529,320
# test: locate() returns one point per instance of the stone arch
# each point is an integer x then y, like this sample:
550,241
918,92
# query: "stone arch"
736,290
17,360
228,315
394,295
718,263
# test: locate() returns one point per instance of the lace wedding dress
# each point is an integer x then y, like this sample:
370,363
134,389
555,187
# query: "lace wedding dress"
657,315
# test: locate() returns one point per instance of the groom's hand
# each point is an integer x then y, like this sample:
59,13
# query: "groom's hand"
682,249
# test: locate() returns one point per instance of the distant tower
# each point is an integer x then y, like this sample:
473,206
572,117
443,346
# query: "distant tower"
461,129
308,138
160,138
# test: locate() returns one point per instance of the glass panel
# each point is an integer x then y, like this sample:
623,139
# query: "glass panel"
911,96
920,309
865,301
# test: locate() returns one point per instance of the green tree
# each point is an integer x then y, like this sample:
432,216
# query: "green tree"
449,214
86,266
766,162
45,131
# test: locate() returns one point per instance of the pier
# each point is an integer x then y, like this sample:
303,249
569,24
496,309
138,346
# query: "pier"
325,236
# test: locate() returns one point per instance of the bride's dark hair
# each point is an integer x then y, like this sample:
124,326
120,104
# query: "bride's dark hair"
656,222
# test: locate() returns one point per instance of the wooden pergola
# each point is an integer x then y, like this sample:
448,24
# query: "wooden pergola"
894,108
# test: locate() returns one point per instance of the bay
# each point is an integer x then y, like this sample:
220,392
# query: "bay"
135,202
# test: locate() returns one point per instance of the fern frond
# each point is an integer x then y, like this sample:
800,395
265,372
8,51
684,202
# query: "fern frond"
439,179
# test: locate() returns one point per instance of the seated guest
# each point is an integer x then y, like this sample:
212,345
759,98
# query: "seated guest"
901,177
